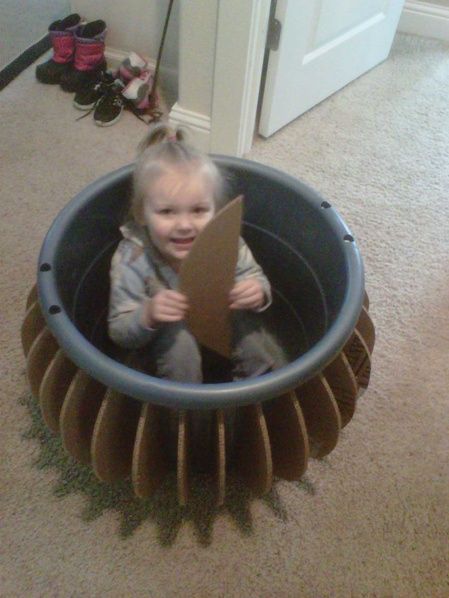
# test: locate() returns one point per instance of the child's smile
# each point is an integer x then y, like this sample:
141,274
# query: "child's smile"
183,243
179,205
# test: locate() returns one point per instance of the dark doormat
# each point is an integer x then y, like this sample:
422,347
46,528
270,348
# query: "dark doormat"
19,64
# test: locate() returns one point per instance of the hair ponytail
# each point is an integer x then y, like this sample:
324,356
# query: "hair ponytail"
161,133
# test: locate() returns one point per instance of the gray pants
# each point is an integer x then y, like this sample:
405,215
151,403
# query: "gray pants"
174,353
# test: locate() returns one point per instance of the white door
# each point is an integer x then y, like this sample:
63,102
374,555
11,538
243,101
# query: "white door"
324,44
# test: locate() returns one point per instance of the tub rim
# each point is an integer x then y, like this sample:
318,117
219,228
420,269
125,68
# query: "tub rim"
177,395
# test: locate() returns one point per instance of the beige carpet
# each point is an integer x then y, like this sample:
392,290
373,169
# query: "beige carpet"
369,520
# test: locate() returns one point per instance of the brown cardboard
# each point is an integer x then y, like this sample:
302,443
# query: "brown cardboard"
39,357
54,387
32,325
254,461
32,296
78,415
220,457
343,383
149,465
207,276
288,437
113,436
183,465
321,415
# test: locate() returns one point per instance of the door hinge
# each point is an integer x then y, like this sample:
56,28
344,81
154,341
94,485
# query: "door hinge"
274,34
274,28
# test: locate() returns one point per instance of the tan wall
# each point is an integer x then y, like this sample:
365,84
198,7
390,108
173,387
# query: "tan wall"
135,25
197,43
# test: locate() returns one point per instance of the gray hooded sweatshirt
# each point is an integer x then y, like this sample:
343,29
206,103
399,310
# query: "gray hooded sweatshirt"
138,271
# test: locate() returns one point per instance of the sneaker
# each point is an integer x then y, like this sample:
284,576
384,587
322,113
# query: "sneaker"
138,90
133,66
109,107
87,97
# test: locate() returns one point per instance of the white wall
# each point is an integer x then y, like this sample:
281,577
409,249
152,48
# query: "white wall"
440,2
197,42
136,25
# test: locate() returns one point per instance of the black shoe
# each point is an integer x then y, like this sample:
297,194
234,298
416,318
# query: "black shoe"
51,72
75,80
88,96
109,107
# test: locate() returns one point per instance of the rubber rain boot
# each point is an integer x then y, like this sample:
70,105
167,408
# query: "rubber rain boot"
62,36
89,60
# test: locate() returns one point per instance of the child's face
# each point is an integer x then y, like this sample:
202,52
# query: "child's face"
177,207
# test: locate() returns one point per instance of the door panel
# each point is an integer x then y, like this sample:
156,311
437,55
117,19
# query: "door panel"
331,23
324,45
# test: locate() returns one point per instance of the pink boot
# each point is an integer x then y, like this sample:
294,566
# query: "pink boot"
89,60
62,36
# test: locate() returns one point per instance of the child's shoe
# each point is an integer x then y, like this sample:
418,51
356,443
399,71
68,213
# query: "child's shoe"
87,97
133,66
62,36
109,108
138,90
89,61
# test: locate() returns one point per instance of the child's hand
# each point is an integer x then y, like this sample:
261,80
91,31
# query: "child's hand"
247,294
165,306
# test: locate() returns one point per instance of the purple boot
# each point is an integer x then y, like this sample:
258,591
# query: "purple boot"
89,60
62,36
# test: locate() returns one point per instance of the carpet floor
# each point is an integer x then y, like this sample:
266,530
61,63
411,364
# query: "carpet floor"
371,519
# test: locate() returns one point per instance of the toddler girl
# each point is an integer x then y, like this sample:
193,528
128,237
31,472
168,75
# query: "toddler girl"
176,192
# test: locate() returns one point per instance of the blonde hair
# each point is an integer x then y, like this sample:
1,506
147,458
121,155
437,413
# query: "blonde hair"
165,148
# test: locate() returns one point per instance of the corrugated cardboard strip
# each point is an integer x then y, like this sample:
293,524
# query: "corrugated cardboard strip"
207,276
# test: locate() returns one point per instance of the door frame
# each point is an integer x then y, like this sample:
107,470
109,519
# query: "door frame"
239,55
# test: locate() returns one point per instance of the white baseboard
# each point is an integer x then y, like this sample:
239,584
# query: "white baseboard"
197,126
425,19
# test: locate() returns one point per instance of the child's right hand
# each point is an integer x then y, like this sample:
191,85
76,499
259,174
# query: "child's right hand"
165,306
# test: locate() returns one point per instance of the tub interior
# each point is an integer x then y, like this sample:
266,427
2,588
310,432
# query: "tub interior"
288,234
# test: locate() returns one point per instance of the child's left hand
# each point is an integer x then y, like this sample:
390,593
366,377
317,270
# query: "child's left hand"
247,294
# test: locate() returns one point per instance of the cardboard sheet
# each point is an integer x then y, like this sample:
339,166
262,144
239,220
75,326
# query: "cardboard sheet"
207,276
